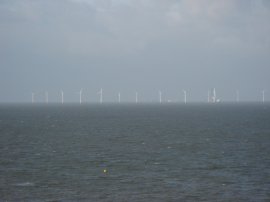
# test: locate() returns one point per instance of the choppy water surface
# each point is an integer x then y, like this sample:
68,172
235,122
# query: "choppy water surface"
150,152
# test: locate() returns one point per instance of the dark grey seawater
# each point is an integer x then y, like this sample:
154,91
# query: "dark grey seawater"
195,152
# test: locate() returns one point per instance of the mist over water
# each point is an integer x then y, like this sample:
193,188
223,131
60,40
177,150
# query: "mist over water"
128,152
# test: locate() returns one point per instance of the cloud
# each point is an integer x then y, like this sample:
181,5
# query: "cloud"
118,27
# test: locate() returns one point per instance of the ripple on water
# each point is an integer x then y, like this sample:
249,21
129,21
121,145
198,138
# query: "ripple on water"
25,184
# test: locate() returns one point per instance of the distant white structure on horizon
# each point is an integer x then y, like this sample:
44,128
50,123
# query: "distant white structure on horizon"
263,96
47,97
237,96
80,92
185,96
101,96
160,96
33,97
213,96
62,96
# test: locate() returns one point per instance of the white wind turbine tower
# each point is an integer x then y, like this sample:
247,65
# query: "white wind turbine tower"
160,96
214,95
119,97
136,97
33,97
263,95
237,96
47,97
101,96
80,93
185,96
62,96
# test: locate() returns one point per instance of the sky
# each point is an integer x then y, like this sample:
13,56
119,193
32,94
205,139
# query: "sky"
133,46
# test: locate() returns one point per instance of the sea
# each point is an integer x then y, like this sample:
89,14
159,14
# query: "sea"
135,152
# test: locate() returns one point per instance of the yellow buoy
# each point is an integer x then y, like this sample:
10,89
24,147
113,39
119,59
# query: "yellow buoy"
104,171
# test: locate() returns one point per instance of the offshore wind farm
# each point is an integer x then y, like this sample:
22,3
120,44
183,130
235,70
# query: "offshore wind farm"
134,100
211,98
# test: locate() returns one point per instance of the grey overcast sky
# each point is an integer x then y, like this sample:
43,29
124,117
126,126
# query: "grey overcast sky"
134,45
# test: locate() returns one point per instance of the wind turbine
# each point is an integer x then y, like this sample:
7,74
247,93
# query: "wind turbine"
47,97
214,95
33,97
80,92
136,97
185,96
160,96
263,95
119,97
62,96
101,96
237,96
